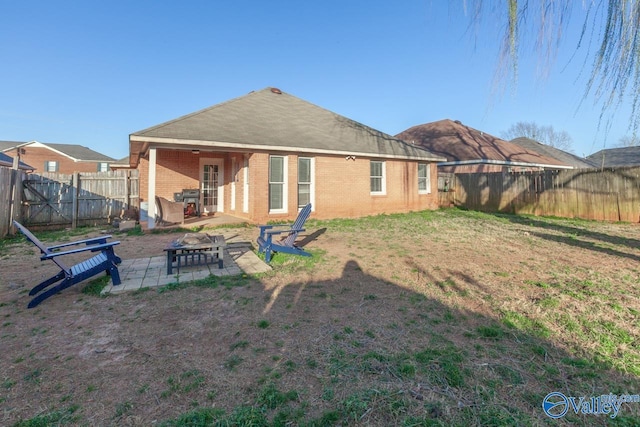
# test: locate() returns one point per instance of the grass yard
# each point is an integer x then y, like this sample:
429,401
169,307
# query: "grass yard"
443,318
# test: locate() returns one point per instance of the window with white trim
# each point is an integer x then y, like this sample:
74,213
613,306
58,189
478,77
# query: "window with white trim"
103,167
305,181
278,184
51,166
424,178
378,178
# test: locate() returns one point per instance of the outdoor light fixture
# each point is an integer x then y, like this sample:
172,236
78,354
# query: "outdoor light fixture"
350,158
195,151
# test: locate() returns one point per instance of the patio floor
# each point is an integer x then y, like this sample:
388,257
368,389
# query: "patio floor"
152,271
202,221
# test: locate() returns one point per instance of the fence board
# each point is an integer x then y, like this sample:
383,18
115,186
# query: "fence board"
610,194
5,199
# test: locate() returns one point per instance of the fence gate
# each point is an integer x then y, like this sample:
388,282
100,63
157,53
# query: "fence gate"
79,199
46,201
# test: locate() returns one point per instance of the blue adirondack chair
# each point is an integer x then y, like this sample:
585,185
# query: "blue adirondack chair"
106,260
286,244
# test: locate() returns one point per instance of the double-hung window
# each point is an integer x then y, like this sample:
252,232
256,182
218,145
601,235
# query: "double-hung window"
305,181
424,178
103,167
51,166
278,184
378,178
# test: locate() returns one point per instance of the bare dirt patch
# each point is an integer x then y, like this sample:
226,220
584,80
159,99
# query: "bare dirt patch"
450,317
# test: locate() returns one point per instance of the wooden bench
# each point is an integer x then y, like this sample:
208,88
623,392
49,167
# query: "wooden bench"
106,260
287,244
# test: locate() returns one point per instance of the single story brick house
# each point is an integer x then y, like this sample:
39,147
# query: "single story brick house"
60,158
264,155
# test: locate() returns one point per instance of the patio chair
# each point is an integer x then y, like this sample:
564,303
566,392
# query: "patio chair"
106,260
170,212
286,244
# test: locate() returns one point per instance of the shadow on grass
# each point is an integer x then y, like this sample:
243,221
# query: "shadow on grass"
574,235
378,353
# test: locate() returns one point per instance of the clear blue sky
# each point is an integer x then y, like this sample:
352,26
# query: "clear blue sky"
91,73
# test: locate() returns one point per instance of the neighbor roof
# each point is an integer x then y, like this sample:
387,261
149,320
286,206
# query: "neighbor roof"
80,153
614,157
271,120
8,145
463,144
76,152
120,164
553,152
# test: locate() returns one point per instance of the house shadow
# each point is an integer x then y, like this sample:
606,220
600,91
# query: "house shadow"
450,364
580,237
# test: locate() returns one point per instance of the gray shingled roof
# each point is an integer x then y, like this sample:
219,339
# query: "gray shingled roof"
77,152
616,157
555,153
7,145
80,153
272,120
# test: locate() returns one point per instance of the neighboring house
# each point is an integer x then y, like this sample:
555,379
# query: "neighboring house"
616,157
120,164
469,150
61,158
552,152
7,161
264,155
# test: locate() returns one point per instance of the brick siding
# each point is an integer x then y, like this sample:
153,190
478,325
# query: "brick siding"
342,187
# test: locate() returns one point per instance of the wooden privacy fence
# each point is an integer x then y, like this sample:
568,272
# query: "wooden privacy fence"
60,200
609,194
9,180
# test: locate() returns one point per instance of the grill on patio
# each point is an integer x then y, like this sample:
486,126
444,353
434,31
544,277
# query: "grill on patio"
191,199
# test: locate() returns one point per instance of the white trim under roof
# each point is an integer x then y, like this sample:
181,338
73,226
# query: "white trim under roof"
503,163
271,148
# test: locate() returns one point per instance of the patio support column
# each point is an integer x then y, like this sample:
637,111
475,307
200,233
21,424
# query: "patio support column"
152,189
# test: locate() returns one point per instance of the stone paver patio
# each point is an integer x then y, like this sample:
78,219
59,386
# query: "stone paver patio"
152,271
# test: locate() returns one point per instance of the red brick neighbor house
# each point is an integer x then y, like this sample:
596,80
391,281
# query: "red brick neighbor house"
61,158
469,150
264,155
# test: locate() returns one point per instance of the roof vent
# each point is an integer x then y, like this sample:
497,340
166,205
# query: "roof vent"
276,90
458,122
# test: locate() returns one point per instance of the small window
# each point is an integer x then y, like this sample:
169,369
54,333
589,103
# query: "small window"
305,173
103,167
277,184
424,178
378,185
51,166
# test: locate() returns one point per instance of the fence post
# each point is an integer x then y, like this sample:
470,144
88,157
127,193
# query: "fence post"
74,204
15,198
127,190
